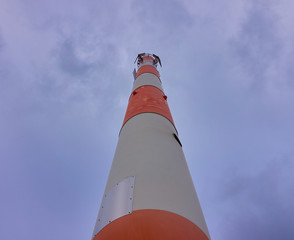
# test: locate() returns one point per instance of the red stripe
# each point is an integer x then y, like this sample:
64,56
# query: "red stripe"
148,99
147,69
151,224
148,58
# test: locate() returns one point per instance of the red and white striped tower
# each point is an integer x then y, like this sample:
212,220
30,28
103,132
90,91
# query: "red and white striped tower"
149,192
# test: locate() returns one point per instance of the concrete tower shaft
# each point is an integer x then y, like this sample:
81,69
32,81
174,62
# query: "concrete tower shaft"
149,192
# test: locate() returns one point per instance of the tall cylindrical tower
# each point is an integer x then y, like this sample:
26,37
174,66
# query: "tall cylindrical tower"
149,192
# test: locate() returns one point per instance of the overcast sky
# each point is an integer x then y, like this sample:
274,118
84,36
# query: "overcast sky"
65,78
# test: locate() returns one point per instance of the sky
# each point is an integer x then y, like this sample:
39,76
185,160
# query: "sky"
65,78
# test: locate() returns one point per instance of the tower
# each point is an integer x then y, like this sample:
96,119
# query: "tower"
149,192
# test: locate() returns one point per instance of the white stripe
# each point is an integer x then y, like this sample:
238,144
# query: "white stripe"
147,79
148,150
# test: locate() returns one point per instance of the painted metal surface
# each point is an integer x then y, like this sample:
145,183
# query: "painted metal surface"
152,225
148,99
148,58
148,150
150,63
165,204
117,202
147,79
147,68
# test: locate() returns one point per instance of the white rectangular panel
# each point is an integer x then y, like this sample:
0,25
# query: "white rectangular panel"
117,202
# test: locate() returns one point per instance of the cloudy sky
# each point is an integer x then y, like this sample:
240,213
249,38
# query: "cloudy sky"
65,77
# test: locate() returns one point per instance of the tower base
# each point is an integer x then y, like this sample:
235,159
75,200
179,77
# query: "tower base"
151,224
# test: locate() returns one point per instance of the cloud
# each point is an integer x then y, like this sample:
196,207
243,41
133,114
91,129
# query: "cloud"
260,204
263,51
66,75
1,41
70,62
